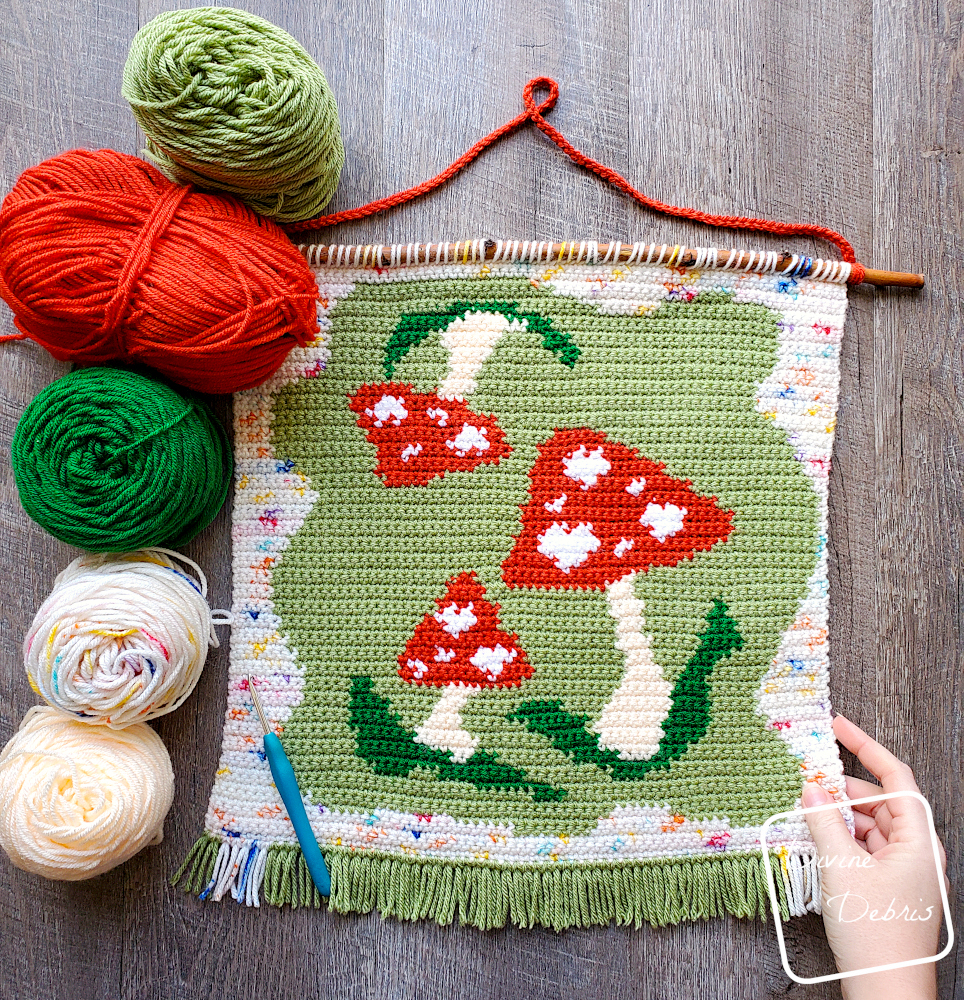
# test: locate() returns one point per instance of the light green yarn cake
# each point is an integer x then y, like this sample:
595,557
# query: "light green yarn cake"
230,102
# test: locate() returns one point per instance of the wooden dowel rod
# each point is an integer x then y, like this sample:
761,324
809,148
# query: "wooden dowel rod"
551,254
898,279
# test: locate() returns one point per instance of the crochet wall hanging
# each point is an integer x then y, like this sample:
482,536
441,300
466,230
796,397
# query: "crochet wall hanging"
530,572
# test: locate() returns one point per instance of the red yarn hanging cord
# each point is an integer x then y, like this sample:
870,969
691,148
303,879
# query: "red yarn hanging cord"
534,113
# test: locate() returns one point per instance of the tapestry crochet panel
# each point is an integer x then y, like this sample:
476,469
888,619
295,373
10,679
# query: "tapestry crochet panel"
530,572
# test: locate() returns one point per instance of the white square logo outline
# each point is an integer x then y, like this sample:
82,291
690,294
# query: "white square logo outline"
775,901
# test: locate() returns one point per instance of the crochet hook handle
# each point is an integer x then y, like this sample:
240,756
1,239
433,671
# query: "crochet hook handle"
287,784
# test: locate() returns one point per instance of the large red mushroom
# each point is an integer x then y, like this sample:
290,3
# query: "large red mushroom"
462,648
599,513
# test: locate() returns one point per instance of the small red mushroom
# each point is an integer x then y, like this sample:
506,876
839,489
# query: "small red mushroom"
598,513
461,647
419,435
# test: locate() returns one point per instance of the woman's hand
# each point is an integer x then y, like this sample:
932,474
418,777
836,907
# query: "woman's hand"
880,895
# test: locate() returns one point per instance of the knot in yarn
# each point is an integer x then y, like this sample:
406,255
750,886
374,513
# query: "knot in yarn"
230,102
111,461
102,258
121,639
76,800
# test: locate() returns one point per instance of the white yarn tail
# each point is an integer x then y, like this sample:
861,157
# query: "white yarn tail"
238,869
442,730
632,723
801,880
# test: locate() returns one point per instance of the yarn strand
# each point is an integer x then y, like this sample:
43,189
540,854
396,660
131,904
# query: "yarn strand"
534,113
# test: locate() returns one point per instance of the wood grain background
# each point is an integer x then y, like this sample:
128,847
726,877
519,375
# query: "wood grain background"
843,112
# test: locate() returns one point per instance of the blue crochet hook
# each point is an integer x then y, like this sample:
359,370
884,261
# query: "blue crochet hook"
287,785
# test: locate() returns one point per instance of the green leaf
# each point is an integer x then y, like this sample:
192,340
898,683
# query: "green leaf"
686,724
390,749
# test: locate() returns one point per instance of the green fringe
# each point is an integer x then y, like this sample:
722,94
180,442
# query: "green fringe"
655,891
195,873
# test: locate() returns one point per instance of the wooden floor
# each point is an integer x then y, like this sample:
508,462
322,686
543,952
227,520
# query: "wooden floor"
843,112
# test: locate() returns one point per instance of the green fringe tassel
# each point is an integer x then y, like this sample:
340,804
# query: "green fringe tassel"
654,891
195,873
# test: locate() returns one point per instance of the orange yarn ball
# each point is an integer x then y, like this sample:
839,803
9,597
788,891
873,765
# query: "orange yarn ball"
102,258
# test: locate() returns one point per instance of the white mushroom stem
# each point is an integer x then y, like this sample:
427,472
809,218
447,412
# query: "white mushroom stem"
469,342
442,730
632,723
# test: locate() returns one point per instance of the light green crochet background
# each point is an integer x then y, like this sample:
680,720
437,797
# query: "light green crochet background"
678,385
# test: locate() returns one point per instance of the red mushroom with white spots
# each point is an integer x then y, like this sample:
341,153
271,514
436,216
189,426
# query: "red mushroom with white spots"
419,436
599,513
462,648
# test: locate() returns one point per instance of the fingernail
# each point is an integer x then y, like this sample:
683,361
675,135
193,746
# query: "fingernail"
814,795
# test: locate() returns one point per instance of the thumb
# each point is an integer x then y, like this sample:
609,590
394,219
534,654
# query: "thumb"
827,827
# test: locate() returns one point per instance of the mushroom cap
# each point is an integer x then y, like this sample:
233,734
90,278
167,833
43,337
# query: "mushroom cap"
462,642
598,510
419,436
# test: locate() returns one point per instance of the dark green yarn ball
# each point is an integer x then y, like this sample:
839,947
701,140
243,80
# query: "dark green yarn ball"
112,461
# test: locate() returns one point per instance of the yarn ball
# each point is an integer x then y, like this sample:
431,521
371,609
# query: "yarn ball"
121,639
230,102
76,800
102,258
111,461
